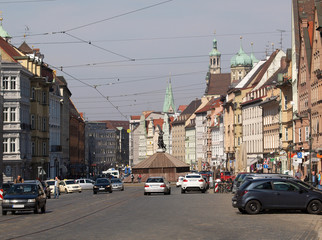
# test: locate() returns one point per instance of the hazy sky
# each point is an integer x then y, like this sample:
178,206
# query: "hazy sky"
117,56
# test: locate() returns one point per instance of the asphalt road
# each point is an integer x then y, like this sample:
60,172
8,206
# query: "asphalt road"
131,215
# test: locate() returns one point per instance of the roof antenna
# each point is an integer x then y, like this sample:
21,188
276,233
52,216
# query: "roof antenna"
281,41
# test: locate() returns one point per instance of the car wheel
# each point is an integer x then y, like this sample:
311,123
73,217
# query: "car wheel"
110,191
80,191
203,190
4,212
314,207
169,193
145,193
94,192
253,207
241,210
49,196
122,189
182,190
66,191
36,210
13,212
43,209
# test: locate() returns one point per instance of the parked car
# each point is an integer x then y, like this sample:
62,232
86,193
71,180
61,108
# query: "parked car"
5,187
193,182
28,196
206,181
86,184
227,176
255,195
69,186
117,184
46,189
179,181
157,185
102,185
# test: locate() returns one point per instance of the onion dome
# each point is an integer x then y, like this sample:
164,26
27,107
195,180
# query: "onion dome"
240,59
214,51
3,32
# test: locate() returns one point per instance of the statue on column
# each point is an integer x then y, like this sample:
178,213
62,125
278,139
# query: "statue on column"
161,144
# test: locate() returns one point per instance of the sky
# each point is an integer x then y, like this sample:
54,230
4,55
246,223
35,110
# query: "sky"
118,56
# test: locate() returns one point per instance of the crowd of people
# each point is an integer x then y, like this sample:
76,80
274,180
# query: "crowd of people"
316,178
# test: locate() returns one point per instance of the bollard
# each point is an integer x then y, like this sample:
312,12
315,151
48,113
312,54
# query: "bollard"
1,194
216,188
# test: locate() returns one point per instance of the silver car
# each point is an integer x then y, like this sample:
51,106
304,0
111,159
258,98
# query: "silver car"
157,185
117,184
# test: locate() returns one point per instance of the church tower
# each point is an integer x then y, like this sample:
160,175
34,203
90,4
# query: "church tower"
168,105
3,32
214,55
240,64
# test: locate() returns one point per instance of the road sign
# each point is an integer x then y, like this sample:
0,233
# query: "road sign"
299,155
265,166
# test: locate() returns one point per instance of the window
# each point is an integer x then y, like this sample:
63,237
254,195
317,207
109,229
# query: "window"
300,135
33,122
33,148
5,82
285,102
12,144
44,123
44,148
285,186
5,114
286,134
5,145
13,83
265,185
44,98
307,134
13,114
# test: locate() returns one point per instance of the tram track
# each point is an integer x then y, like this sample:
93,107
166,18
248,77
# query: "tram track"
84,216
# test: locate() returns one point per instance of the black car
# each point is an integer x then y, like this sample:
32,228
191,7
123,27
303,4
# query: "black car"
5,187
25,197
255,195
46,189
102,185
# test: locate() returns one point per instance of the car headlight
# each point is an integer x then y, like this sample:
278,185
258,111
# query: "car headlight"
6,201
31,200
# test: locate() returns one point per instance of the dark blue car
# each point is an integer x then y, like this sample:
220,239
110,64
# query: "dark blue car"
255,195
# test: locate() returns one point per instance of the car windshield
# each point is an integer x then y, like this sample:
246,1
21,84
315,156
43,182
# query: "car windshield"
23,189
156,180
116,181
193,176
99,181
51,183
69,182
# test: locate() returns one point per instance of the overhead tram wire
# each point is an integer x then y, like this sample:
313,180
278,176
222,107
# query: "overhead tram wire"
91,86
101,48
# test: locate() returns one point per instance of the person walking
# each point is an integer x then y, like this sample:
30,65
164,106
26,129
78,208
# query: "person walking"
314,179
19,179
320,180
139,178
132,178
56,190
298,174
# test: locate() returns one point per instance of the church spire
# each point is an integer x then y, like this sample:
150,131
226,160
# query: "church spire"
168,105
3,32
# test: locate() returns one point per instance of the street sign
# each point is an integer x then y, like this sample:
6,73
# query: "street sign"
265,166
299,155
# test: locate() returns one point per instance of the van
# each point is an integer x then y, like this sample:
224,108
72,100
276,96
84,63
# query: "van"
115,173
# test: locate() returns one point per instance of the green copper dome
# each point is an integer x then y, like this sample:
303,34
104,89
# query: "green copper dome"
214,51
253,58
241,58
3,32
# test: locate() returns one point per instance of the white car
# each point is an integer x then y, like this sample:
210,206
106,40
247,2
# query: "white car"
193,182
69,186
86,184
179,181
157,185
51,184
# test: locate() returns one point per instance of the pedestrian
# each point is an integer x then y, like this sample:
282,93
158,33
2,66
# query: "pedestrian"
19,179
320,180
314,179
56,189
139,178
132,178
306,179
298,174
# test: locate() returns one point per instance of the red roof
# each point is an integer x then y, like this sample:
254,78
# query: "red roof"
9,49
135,117
181,108
113,124
212,104
218,84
